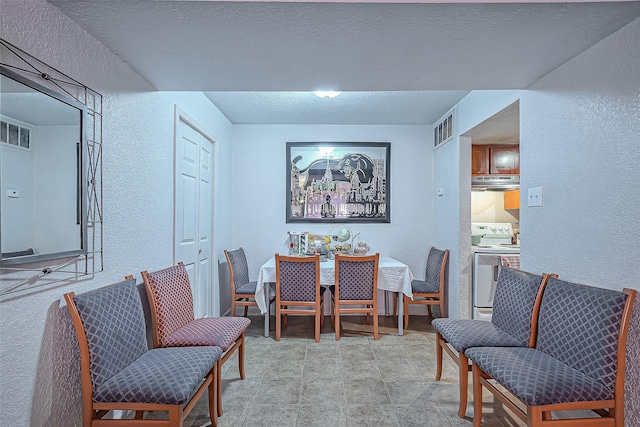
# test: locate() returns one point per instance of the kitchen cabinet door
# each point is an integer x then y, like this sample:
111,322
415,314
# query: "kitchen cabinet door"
512,199
504,159
479,159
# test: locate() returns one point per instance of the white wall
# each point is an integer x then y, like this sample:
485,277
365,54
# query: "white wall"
17,213
55,227
38,358
259,183
579,130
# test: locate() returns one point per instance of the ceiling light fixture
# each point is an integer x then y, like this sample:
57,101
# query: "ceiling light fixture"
326,94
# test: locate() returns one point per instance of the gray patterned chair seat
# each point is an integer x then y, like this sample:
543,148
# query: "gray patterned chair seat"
165,376
537,378
247,288
420,286
463,334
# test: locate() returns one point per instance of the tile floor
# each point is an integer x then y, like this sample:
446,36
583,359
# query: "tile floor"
356,381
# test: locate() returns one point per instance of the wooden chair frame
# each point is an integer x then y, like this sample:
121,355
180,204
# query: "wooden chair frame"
242,300
93,412
283,306
610,411
428,299
463,361
370,307
238,345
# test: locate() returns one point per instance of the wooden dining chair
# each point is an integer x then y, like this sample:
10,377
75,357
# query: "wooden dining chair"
298,290
243,291
119,372
429,291
355,289
174,325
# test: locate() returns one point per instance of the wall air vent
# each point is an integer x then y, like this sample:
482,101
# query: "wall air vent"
443,130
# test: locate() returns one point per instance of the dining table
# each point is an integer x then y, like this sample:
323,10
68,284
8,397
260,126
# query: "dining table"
393,276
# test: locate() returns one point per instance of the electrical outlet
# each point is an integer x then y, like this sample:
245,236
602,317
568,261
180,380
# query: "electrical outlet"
534,196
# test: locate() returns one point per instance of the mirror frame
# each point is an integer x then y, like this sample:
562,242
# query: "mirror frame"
82,178
45,271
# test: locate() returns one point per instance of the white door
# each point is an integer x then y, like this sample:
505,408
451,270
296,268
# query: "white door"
193,212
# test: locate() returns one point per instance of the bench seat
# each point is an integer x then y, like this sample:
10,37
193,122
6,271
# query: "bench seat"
537,378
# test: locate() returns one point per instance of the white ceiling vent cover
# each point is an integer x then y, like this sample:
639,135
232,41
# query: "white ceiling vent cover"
443,130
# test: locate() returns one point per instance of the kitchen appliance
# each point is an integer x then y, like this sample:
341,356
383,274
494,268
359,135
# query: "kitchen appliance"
495,243
494,182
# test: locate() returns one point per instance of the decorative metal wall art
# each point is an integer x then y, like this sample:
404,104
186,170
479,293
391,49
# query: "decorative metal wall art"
338,182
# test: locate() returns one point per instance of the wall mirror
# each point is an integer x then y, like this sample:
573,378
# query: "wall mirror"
51,225
42,188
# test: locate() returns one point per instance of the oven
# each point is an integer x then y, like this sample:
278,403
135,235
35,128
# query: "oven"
495,245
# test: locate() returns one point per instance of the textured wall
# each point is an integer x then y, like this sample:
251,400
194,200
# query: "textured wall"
579,130
259,183
38,353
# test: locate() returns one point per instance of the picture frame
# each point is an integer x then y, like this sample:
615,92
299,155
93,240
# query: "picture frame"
338,182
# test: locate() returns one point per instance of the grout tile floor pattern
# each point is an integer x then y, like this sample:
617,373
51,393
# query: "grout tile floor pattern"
356,381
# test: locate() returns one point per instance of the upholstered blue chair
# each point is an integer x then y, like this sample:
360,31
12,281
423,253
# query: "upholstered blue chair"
298,290
174,325
243,291
355,289
578,362
429,291
515,304
118,370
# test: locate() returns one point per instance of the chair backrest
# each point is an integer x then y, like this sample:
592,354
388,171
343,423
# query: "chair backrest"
436,264
297,278
170,300
111,330
238,268
585,327
514,301
357,277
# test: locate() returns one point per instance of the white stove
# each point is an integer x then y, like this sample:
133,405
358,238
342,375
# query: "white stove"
495,243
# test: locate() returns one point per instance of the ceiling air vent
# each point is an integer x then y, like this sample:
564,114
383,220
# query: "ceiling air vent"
443,130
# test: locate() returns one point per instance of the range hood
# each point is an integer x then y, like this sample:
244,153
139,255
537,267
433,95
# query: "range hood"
494,182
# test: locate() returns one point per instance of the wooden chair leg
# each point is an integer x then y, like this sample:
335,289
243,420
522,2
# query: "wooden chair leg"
317,325
438,356
332,311
241,356
214,397
442,310
477,397
337,324
175,416
246,308
534,416
546,416
376,334
463,380
218,381
278,323
429,310
233,307
368,318
139,415
406,311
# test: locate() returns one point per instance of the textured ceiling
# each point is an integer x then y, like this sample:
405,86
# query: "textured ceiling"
412,61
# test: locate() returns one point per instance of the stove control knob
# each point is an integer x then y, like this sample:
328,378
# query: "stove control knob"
493,228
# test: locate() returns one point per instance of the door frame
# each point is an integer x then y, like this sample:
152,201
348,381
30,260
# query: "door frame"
213,302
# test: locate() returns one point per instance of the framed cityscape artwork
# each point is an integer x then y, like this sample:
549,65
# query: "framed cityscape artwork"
338,182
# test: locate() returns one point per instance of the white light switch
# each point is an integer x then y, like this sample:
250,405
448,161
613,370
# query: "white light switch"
440,191
14,194
534,196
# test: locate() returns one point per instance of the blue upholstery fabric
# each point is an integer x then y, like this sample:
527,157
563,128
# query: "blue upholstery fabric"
240,269
434,263
164,375
422,287
113,321
537,378
248,288
355,279
297,280
513,302
463,334
579,326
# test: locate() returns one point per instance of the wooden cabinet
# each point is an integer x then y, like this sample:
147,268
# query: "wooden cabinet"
479,159
495,159
512,199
